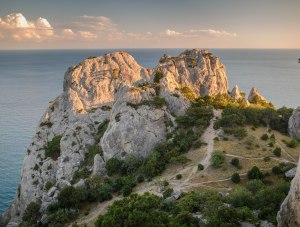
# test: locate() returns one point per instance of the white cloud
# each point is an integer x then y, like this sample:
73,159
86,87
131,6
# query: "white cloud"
16,26
87,35
213,32
169,32
149,33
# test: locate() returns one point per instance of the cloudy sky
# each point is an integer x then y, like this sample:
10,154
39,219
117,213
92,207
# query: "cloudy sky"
37,24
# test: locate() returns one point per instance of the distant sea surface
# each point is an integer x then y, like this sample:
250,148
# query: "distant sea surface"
30,79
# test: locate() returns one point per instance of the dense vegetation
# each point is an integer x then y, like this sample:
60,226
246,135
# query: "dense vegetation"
53,148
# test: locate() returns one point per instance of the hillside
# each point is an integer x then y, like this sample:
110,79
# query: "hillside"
119,128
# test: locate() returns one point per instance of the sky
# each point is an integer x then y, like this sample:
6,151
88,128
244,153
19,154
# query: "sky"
91,24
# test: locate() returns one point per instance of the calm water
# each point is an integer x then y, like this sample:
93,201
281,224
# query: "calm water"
30,79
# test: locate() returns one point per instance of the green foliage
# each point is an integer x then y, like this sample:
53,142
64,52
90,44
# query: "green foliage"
264,137
196,116
237,132
70,197
254,173
167,193
127,190
113,166
254,185
200,167
101,130
53,148
60,216
276,170
217,159
240,197
31,214
235,162
178,176
157,77
235,178
277,151
48,185
293,143
140,179
188,93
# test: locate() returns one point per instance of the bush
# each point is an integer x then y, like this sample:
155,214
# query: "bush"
157,77
292,143
167,193
235,162
52,149
239,133
200,167
48,185
140,179
217,159
235,178
60,216
277,151
31,214
264,137
240,197
178,176
70,197
254,185
127,190
113,166
266,159
254,173
276,170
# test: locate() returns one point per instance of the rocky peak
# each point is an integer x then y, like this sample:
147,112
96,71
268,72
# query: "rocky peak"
294,124
255,96
235,93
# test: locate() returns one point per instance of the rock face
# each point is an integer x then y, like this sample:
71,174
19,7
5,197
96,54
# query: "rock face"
255,96
294,124
113,90
289,214
235,93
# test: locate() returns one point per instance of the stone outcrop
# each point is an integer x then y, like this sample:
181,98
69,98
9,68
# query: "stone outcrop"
235,93
131,101
294,124
255,97
289,214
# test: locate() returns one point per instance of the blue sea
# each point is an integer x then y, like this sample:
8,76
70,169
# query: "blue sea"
30,79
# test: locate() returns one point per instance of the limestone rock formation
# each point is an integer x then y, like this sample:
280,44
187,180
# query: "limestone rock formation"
235,93
289,214
112,105
255,97
294,124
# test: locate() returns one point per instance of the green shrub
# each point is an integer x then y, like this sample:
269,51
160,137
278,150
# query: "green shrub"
217,159
238,132
240,197
167,193
48,185
277,151
276,170
264,137
200,167
52,149
292,143
178,176
235,178
254,173
254,185
235,162
31,214
60,217
113,166
157,77
70,197
266,159
140,179
188,93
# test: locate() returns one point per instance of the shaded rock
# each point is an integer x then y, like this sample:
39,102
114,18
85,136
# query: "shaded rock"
51,191
99,165
289,214
294,124
80,184
291,173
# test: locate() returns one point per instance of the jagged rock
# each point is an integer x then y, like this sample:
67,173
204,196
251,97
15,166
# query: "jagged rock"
294,124
289,214
255,97
108,88
52,191
291,173
195,69
235,93
99,165
80,184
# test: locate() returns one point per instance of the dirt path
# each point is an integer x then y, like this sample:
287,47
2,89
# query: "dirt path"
208,137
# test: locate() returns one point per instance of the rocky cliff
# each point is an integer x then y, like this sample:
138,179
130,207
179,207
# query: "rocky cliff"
289,214
112,106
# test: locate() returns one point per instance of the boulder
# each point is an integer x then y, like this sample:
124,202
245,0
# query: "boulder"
255,97
291,173
99,165
294,124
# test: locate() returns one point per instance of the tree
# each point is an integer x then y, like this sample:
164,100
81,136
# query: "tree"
264,137
217,159
70,197
235,162
254,185
277,151
113,166
254,173
235,178
31,214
